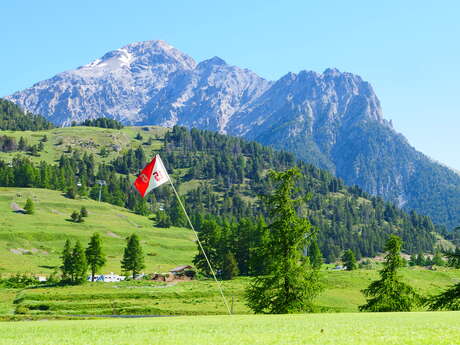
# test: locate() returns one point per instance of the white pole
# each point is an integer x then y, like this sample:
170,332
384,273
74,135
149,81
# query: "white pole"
201,247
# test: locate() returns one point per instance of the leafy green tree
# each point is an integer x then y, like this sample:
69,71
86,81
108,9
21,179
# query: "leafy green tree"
314,253
291,282
29,206
79,264
133,257
229,267
454,258
389,293
94,255
67,262
349,260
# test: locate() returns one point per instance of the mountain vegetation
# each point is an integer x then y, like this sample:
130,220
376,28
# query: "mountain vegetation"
13,118
221,176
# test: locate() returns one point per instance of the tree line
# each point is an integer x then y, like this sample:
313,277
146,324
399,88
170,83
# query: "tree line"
13,118
77,261
230,172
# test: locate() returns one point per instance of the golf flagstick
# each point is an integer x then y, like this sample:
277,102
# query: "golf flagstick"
154,175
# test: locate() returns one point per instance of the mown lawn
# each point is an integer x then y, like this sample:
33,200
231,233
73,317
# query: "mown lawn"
322,329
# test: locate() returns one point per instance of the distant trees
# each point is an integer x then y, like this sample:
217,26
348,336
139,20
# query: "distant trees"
450,298
78,217
389,293
349,260
74,265
94,255
133,257
13,118
291,282
29,206
102,122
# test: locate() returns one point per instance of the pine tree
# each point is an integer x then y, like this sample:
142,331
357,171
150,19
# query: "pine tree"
67,262
314,253
349,260
29,206
94,255
229,267
83,211
75,216
177,215
389,293
79,264
133,258
450,298
291,283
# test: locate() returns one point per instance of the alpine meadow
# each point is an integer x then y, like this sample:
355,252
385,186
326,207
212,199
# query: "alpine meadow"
150,198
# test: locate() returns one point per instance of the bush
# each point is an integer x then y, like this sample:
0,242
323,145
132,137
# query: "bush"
29,206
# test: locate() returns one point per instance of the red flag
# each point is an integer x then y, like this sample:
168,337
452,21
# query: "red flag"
152,176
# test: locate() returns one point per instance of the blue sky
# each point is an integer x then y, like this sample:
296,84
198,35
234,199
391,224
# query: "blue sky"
408,50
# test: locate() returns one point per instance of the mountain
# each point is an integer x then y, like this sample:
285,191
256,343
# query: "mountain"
331,119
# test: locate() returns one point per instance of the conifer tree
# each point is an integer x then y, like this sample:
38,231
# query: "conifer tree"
67,262
133,257
314,253
177,215
291,283
349,260
450,298
229,267
83,211
79,264
389,293
29,206
94,255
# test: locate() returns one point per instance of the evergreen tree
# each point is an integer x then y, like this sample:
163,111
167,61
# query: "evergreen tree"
454,258
133,258
291,283
163,220
177,215
29,206
67,262
437,259
420,261
79,264
229,267
94,255
83,211
314,253
450,298
389,293
349,260
75,216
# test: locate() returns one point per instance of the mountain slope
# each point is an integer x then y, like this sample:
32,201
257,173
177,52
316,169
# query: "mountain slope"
333,120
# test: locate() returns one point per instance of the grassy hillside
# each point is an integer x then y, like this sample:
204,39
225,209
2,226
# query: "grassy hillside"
440,328
86,139
33,243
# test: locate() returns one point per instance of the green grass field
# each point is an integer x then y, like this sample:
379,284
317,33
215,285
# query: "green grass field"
441,328
33,243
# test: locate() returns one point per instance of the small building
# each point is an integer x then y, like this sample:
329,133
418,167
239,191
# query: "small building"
42,279
180,269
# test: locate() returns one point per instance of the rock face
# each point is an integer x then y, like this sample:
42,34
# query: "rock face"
333,120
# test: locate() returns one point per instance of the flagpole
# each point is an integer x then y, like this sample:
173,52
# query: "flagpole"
201,246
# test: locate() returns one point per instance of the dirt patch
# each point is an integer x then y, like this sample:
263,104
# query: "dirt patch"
112,234
16,208
15,251
128,220
57,212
